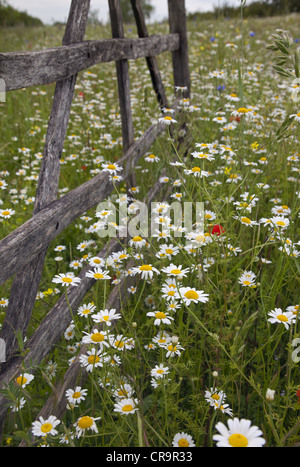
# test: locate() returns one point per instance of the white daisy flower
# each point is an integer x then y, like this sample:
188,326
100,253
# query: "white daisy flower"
282,317
183,440
44,427
126,406
84,424
191,295
66,279
239,433
160,317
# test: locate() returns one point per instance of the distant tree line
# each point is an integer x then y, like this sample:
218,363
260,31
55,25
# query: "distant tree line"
9,16
258,9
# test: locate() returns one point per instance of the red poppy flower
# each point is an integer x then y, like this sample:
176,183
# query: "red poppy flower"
298,395
217,229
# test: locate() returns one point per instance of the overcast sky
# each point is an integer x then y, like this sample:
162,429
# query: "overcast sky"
57,10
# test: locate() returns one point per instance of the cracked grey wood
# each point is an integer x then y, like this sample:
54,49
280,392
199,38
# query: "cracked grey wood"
25,69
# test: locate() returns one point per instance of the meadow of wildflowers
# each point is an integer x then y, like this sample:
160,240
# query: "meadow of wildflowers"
202,351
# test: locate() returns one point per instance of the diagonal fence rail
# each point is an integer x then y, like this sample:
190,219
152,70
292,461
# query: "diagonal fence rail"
23,252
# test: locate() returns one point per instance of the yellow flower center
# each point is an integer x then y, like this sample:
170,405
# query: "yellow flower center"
172,348
246,282
171,293
169,251
243,110
76,395
160,315
93,359
196,169
85,422
160,372
46,427
97,337
183,443
137,239
67,279
175,271
97,261
111,167
86,311
238,441
5,213
168,118
191,295
21,380
282,318
146,267
127,408
98,275
280,223
246,220
215,397
119,344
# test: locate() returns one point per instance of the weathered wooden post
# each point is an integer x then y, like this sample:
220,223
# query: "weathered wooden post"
122,76
180,57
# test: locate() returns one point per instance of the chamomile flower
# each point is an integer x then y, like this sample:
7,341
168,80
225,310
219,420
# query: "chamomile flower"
3,302
160,317
96,261
152,158
175,271
86,310
66,279
137,242
197,172
125,391
282,317
98,274
239,434
126,406
96,337
93,359
7,213
159,371
167,120
214,395
112,169
146,271
75,396
44,427
246,221
106,316
24,379
247,279
224,408
84,424
190,295
183,440
173,349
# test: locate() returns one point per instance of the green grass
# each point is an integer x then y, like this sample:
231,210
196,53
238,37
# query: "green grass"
227,343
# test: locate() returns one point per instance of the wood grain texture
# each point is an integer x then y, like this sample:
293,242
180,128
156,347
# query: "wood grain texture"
28,240
26,282
25,69
177,24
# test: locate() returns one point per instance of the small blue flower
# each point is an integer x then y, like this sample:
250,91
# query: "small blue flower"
212,39
252,34
297,40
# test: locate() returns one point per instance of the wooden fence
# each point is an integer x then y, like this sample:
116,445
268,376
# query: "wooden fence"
22,253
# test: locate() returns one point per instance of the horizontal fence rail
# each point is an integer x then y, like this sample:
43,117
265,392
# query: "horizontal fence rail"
24,69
